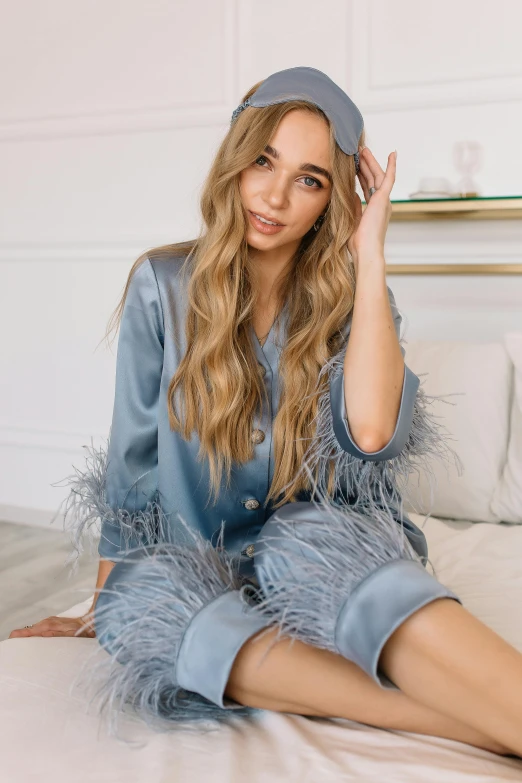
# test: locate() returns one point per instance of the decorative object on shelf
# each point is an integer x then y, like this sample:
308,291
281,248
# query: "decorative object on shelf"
467,157
433,187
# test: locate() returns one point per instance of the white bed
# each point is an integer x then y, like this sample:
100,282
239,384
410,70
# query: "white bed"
50,734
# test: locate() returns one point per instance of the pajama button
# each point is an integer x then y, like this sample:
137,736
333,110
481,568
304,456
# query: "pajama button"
258,436
249,550
252,503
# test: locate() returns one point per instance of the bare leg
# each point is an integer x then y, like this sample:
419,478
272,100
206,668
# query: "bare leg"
305,680
447,659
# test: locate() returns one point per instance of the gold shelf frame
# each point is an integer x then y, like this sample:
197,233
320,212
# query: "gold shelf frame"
454,269
500,208
497,208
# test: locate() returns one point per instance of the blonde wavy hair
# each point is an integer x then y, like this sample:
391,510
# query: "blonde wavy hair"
218,380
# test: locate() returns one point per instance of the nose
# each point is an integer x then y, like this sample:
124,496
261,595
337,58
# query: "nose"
276,191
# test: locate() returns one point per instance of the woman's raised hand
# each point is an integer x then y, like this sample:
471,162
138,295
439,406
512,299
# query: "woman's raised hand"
367,242
58,626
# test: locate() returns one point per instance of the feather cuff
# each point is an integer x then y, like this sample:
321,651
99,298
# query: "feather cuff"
86,511
141,617
374,484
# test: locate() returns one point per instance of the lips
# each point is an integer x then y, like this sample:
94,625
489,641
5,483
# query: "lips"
263,228
266,217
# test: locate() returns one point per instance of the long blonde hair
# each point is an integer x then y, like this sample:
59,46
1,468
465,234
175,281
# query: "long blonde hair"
218,379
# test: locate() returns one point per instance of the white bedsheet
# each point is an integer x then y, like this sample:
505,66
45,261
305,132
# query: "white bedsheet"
48,734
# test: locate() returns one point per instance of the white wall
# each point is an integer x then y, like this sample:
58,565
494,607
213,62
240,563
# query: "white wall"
110,114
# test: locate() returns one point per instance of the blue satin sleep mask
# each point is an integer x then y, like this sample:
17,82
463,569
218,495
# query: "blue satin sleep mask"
312,85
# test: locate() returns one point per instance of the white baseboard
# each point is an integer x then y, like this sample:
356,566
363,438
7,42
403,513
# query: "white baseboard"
34,517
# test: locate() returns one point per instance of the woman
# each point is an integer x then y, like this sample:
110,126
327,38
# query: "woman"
315,598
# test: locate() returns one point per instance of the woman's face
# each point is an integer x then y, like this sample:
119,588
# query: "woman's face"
290,183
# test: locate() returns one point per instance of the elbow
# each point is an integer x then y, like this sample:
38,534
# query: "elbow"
371,445
371,441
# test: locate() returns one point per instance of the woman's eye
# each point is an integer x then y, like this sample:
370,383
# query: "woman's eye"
310,179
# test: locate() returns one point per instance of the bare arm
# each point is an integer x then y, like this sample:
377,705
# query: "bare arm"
374,359
104,569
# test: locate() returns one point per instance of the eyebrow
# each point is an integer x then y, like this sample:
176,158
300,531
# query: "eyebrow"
311,167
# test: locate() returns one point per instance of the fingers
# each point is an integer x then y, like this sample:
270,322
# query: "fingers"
35,630
20,632
372,173
54,626
372,166
391,168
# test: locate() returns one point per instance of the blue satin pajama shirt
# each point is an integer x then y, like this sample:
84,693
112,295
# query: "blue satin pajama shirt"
147,459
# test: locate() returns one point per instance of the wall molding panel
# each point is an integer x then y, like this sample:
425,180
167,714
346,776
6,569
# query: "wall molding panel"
136,121
466,247
383,81
130,116
18,436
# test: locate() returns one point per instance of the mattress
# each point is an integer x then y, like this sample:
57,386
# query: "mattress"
50,732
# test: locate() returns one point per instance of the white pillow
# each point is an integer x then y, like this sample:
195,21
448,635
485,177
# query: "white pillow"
507,499
476,382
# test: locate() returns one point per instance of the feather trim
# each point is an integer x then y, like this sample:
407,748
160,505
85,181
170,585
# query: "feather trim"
375,484
86,507
312,562
141,622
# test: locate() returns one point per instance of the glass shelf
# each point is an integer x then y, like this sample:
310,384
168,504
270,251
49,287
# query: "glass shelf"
477,208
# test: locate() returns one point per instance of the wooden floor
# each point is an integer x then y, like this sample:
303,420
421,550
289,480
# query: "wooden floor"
34,581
